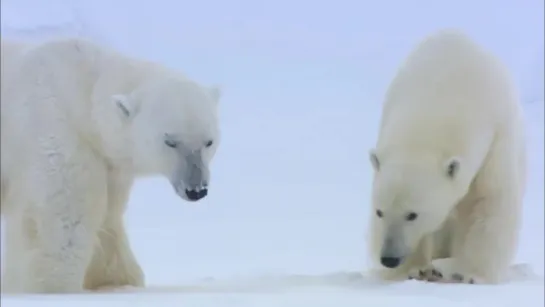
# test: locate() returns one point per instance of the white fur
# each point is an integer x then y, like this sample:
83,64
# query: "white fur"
451,108
79,124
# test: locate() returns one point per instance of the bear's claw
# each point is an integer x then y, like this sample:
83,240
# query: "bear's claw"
426,274
440,271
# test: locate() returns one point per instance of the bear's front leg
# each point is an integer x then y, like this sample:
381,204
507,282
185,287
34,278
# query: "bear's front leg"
421,260
484,239
485,242
14,253
114,264
488,223
69,202
439,246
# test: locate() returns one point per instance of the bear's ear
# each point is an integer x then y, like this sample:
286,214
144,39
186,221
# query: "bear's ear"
374,160
215,93
452,167
124,105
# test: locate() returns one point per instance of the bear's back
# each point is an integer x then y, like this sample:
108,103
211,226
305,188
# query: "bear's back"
448,72
449,96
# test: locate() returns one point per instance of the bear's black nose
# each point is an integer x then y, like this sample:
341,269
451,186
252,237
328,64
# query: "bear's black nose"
390,262
195,195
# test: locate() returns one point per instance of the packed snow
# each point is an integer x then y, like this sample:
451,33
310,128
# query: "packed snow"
284,223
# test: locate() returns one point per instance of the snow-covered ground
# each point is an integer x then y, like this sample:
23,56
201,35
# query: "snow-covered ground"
285,220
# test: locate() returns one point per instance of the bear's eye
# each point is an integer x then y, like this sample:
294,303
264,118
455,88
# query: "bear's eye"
411,216
209,143
171,143
379,213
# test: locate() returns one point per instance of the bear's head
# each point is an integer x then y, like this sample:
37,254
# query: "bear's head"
171,128
412,197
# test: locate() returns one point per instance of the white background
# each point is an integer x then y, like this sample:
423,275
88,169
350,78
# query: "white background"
303,83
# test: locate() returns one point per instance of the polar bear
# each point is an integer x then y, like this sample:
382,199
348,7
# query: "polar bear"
449,166
79,123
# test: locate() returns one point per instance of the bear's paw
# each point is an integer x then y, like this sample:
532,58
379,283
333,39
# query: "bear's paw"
443,271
